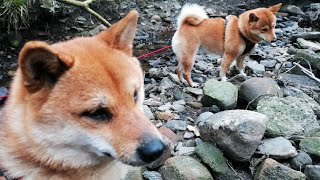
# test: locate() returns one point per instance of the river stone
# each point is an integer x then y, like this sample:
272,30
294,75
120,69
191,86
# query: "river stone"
311,145
147,111
203,116
278,148
222,94
295,92
254,89
308,44
272,170
177,125
184,168
236,132
152,175
213,158
287,116
312,172
300,161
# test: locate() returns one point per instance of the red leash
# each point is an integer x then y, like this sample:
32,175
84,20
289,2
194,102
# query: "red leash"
3,97
154,52
139,57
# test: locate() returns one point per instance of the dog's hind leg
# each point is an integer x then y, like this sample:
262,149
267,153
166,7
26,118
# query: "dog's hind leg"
187,62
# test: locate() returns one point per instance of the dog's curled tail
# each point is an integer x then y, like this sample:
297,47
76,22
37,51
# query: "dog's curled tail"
192,14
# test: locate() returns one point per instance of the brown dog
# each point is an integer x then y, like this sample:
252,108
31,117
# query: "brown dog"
233,41
75,109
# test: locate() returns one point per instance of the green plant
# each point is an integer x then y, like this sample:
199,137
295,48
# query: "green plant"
14,13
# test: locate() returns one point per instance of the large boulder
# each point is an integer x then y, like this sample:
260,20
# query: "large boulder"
287,116
254,89
236,132
222,94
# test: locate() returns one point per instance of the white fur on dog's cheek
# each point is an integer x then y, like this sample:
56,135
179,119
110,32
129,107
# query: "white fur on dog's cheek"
99,145
263,37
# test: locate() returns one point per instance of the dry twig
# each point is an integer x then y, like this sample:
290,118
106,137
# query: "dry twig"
85,5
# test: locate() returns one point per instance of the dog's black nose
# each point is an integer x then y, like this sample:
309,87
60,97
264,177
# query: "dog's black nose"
151,150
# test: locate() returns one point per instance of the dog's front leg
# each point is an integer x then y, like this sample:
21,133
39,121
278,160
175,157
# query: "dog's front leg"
241,65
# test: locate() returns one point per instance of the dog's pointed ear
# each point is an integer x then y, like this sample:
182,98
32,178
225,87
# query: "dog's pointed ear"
41,65
275,8
253,18
121,34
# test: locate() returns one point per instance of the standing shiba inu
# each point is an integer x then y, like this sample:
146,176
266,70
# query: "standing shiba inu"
233,41
75,110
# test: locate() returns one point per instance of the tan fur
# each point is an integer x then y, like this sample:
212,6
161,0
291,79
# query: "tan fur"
212,35
44,134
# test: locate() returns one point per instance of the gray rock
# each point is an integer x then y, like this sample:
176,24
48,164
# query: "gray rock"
178,107
188,135
300,81
300,161
180,102
183,168
277,148
195,105
306,35
147,111
295,92
312,172
236,132
198,141
222,94
152,175
213,158
271,169
165,107
311,145
312,58
174,77
165,84
177,125
195,91
255,89
269,63
201,65
256,67
308,44
203,116
287,116
293,10
155,73
186,151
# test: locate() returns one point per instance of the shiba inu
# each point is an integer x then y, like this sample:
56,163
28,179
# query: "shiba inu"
232,40
75,109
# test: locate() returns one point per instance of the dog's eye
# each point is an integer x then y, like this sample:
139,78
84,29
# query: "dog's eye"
101,114
264,30
135,96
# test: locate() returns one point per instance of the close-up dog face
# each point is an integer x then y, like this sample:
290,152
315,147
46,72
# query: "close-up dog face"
262,22
85,99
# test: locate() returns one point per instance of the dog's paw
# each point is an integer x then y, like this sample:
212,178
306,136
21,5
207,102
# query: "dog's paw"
242,73
219,60
223,78
193,84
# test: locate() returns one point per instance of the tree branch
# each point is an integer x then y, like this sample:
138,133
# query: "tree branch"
85,5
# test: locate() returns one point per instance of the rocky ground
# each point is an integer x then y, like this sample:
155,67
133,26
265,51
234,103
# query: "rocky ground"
264,126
